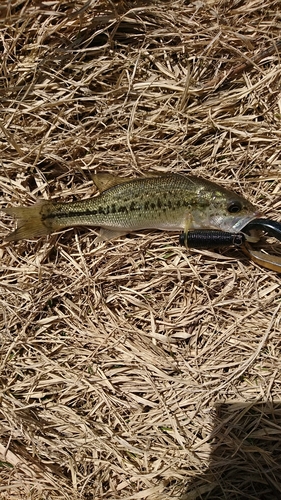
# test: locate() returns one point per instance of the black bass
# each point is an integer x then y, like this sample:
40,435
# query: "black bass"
171,202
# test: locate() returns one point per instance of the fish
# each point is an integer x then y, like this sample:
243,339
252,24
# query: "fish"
170,202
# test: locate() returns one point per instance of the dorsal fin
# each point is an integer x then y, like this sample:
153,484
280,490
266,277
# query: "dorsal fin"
105,181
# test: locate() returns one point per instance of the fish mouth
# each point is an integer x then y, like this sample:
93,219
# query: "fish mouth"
237,224
244,222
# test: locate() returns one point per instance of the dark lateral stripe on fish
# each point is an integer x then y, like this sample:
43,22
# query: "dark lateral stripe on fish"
148,205
81,213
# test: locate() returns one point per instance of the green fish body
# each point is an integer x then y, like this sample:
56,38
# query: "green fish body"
171,202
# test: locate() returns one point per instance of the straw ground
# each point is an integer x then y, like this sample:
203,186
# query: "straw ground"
136,369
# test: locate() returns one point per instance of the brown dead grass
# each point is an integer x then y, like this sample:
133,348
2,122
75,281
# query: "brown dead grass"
116,359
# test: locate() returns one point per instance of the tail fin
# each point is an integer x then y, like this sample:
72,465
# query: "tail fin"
30,224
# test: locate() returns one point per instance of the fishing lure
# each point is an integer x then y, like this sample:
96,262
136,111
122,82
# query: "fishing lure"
208,238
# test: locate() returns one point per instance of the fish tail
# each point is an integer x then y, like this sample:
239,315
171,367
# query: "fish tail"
30,222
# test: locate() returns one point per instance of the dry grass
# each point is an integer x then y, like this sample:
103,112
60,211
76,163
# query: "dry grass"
116,359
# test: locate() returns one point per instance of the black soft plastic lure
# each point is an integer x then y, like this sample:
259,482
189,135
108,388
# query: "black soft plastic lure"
210,238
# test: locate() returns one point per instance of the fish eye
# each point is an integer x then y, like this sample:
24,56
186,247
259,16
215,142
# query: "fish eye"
234,207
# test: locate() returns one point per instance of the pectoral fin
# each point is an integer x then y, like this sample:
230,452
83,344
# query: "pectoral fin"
187,226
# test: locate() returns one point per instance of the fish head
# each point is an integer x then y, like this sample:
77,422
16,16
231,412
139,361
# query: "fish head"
225,210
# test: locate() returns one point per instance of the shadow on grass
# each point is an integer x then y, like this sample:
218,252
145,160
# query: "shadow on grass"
245,461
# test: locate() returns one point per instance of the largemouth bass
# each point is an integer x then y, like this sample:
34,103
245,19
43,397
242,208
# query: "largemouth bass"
171,202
